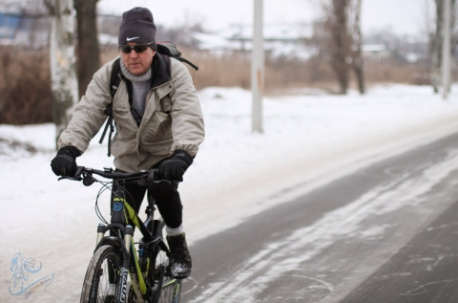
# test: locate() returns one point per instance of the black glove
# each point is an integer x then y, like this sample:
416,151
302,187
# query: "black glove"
64,163
173,168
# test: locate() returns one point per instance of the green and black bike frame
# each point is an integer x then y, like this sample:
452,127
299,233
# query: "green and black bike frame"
121,236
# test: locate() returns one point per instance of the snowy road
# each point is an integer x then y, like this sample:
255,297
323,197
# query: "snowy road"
322,245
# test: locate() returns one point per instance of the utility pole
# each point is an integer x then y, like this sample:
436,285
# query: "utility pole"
257,67
446,51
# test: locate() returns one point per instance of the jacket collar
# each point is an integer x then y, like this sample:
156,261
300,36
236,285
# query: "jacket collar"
160,71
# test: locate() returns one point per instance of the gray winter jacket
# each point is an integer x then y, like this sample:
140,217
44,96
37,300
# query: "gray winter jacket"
172,119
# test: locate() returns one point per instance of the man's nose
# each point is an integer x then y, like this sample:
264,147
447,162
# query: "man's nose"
133,53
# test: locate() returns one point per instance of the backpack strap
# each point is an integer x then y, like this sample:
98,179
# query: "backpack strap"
167,65
114,83
114,79
188,62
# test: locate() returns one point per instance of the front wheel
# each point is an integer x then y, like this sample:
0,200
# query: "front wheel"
102,276
167,288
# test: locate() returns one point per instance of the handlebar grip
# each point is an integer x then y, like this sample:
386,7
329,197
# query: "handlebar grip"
152,176
78,171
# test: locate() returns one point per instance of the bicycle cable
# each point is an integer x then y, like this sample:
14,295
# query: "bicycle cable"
105,186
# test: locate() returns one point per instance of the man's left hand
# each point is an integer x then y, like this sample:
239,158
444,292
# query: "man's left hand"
173,168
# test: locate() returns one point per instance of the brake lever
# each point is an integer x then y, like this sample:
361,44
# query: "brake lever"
75,177
88,180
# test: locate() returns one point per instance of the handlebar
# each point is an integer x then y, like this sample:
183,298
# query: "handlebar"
85,174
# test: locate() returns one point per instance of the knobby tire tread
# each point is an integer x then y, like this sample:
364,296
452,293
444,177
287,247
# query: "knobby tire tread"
93,273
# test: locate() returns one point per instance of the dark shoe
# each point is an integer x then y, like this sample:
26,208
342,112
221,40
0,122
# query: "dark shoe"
180,258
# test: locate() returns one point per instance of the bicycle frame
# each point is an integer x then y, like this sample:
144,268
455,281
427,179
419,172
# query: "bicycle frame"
123,214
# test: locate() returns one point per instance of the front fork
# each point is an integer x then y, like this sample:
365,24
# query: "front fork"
123,287
125,247
138,286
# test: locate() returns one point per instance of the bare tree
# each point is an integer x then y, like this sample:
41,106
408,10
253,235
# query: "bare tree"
64,84
339,41
344,41
88,52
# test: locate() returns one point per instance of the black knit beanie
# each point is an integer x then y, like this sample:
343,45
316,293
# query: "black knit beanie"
137,25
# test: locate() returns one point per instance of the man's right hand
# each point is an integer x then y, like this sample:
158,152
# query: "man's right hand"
64,163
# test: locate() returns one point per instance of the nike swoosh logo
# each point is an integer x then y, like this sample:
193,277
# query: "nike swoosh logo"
130,39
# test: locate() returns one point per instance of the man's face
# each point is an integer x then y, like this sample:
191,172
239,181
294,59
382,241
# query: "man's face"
137,62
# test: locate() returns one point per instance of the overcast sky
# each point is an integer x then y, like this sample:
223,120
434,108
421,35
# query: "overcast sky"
401,16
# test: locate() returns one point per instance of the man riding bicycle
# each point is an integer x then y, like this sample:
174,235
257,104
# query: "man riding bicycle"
159,124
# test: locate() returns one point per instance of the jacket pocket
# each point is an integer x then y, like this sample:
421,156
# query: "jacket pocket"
124,120
159,128
166,104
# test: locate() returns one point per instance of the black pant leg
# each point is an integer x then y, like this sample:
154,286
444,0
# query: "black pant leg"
168,201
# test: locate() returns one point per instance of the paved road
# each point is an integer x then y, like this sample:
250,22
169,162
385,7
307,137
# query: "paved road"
386,233
425,270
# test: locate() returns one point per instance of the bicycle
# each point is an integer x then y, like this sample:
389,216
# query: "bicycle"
115,258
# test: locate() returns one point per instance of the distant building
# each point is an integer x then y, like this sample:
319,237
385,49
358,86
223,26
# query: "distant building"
376,51
17,29
9,25
288,40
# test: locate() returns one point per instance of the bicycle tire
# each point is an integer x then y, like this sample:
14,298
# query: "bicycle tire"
168,289
102,276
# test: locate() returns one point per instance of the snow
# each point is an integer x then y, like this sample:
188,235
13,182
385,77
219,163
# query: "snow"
309,139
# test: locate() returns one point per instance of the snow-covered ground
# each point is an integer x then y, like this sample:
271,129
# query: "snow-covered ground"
309,139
